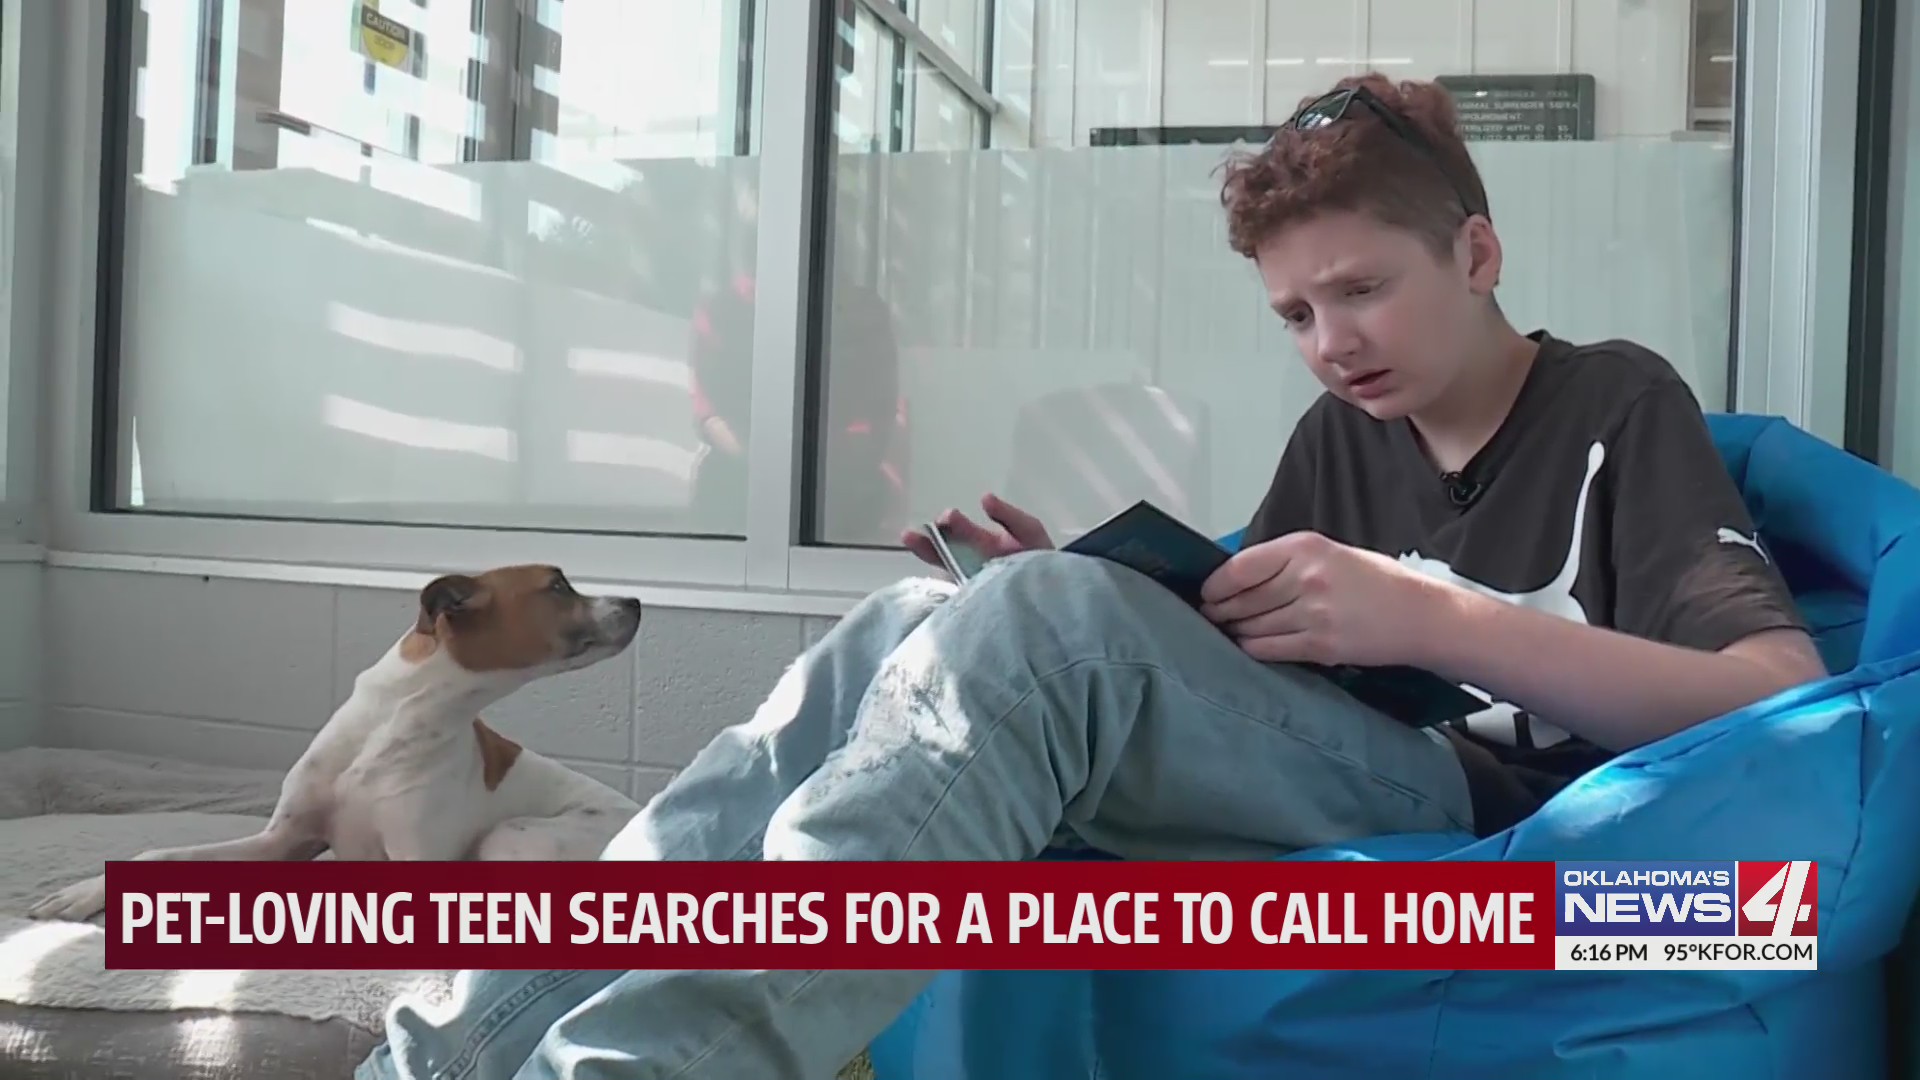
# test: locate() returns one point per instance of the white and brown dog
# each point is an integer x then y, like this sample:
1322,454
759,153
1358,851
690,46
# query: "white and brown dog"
404,769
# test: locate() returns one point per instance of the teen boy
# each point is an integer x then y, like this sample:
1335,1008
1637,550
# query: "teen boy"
1544,521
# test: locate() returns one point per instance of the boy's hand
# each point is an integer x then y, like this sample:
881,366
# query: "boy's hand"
1305,598
1019,531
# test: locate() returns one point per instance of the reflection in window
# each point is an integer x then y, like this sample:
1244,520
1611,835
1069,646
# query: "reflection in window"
1033,295
440,261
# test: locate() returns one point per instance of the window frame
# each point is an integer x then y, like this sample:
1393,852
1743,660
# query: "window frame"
24,192
910,41
1793,216
1871,360
98,40
1796,117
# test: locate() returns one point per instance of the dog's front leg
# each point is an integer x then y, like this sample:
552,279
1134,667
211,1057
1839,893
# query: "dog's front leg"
278,842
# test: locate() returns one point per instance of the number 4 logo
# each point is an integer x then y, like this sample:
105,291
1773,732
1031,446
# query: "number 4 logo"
1778,901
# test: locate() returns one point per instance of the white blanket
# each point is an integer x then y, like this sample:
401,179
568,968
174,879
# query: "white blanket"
63,813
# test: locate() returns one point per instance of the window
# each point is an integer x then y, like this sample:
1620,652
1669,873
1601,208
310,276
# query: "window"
458,262
1710,104
1055,315
908,76
385,283
1899,390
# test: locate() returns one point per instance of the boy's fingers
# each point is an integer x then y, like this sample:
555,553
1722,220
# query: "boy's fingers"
976,536
1022,526
915,541
1283,648
1242,571
1274,622
1237,606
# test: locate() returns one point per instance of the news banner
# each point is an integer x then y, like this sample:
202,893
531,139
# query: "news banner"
328,915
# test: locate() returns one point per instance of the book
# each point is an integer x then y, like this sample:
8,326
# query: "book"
1147,539
1150,541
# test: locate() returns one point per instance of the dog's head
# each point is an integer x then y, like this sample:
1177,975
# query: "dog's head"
520,622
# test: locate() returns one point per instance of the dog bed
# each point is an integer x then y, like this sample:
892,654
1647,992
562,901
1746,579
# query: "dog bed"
63,813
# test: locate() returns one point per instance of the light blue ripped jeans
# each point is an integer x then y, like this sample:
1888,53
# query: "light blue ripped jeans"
1055,697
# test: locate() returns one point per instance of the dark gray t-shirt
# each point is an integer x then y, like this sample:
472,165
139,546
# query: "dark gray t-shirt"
1601,499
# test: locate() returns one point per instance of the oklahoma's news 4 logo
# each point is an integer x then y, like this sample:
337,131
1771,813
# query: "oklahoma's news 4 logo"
1730,899
1779,899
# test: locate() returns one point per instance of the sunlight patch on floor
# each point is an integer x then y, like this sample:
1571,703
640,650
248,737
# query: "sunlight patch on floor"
205,989
22,952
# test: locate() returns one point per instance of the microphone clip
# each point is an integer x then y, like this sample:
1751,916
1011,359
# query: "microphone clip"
1461,491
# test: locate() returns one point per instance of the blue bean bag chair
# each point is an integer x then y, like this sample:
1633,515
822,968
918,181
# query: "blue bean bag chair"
1829,771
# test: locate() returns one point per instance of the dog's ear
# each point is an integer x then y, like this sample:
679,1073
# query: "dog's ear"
453,595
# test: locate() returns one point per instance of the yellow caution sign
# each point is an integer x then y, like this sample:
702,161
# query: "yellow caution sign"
383,40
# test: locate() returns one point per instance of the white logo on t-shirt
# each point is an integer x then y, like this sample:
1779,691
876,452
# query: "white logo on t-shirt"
1555,598
1728,536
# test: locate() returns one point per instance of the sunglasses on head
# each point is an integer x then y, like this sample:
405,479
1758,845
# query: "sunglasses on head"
1330,108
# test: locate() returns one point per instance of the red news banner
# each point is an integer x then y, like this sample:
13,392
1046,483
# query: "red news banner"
845,916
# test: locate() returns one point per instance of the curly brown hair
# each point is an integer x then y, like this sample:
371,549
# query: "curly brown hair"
1360,164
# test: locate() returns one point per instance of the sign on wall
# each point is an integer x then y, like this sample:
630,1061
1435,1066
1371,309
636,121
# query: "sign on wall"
383,40
1523,108
1189,135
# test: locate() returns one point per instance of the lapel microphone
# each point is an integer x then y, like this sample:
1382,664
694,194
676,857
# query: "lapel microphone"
1461,491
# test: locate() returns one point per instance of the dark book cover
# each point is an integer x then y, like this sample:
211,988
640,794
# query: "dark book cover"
1147,539
1151,541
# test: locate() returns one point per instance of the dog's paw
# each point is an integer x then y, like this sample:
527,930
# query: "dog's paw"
75,903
